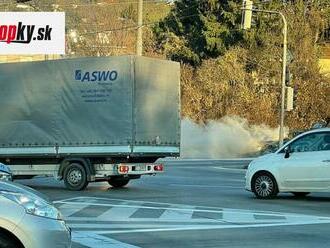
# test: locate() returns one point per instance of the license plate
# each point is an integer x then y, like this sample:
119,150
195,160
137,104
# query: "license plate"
141,167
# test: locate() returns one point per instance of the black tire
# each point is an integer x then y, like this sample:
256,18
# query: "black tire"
300,194
264,186
118,182
75,177
7,242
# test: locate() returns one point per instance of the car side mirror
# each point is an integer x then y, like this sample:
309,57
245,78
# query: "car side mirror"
287,152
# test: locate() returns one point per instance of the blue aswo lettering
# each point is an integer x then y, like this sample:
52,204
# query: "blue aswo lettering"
96,76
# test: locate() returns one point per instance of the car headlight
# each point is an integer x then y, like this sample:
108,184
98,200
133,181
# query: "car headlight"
5,176
34,205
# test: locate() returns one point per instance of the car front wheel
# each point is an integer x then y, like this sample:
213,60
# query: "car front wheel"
264,186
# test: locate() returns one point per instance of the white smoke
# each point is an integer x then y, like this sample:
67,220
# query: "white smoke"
231,137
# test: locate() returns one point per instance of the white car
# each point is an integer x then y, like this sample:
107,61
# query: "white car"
301,166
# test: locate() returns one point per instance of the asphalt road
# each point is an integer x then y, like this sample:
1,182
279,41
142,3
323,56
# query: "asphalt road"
193,204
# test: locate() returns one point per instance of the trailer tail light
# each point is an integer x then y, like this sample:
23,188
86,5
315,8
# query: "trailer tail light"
159,167
123,169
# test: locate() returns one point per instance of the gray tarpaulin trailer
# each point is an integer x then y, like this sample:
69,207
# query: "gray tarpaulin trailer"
89,119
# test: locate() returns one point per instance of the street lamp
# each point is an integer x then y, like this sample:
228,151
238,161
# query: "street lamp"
246,24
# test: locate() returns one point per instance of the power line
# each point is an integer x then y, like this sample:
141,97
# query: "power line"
136,27
131,27
99,4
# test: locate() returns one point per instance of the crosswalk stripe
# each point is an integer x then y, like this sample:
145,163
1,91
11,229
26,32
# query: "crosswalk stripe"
180,215
68,209
229,216
104,210
117,213
111,226
91,211
293,218
197,215
90,239
147,213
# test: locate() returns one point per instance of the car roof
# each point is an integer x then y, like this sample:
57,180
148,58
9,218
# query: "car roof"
318,130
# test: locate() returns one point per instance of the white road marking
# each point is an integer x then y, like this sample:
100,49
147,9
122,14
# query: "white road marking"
229,169
88,231
68,209
211,227
70,199
147,220
238,217
206,186
176,207
118,213
176,215
112,226
137,202
76,198
233,180
91,239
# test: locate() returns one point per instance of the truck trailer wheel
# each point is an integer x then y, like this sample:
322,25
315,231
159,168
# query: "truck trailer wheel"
118,182
75,177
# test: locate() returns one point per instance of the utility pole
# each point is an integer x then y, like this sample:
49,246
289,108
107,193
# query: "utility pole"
139,41
285,47
246,24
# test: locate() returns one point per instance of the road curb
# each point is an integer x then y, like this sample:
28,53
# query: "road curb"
225,163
